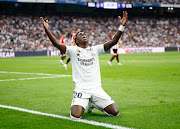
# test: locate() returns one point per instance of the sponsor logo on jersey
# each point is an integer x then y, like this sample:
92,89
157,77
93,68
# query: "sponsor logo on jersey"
86,62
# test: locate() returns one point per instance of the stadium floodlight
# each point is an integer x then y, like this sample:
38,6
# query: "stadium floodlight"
170,8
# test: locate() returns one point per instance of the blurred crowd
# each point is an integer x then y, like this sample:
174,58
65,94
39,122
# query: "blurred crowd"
133,1
27,33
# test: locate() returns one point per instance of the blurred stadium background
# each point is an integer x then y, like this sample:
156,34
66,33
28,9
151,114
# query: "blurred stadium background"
147,84
152,23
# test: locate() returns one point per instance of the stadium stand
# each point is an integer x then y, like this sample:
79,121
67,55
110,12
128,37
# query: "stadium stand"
26,33
21,28
132,1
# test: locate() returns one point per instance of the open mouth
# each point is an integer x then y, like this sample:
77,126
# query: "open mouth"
84,37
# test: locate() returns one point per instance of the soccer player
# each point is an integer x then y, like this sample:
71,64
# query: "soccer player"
86,72
72,44
115,50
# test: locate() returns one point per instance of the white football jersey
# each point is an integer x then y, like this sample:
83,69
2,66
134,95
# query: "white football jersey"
85,65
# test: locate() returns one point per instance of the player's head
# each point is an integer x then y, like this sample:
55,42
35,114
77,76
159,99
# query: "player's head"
68,35
80,39
78,30
64,35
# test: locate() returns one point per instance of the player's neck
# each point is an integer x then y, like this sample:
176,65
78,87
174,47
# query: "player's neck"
83,45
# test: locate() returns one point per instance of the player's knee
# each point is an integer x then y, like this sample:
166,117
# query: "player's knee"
75,116
76,111
112,110
115,112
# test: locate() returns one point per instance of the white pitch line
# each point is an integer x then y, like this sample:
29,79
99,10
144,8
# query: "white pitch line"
66,118
30,73
144,61
28,60
34,78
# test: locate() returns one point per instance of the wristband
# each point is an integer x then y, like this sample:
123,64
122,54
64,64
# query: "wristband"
121,28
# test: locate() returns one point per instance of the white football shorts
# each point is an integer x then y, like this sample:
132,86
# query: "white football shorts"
95,95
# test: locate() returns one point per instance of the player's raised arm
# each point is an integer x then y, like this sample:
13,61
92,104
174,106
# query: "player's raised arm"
60,46
118,34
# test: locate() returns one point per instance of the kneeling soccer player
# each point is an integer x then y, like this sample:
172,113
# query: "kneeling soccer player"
86,72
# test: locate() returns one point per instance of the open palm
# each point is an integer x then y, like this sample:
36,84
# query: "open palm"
124,19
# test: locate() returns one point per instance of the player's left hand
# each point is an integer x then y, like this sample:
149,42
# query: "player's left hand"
124,19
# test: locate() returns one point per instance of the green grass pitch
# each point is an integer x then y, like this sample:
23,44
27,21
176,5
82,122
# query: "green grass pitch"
146,89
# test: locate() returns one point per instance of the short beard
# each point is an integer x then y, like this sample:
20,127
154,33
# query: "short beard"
83,43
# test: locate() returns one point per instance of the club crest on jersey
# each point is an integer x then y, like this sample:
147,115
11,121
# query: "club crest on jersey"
92,54
78,51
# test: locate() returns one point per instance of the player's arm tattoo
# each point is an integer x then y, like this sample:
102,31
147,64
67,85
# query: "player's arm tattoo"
114,41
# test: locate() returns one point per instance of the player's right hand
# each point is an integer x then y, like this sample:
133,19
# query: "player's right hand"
45,23
124,19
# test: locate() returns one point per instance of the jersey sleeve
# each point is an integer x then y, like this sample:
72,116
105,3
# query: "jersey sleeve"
100,49
69,50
